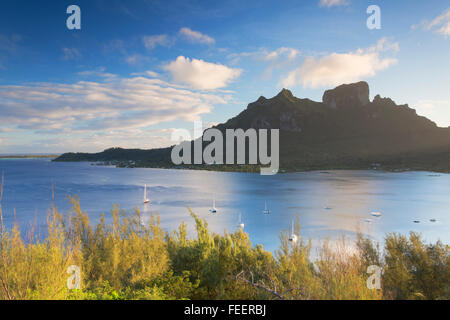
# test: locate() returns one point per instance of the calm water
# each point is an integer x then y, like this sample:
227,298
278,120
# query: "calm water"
351,195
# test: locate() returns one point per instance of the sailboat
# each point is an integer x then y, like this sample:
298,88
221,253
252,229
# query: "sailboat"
141,222
293,237
213,209
240,223
266,211
146,200
375,214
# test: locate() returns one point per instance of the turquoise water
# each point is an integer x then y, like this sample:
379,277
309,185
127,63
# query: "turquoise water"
350,197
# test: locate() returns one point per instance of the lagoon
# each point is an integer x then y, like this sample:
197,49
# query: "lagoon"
329,204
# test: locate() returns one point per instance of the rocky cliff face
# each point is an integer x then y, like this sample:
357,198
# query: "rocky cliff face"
344,127
347,95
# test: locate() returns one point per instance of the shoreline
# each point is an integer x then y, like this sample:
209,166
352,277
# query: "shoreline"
236,168
29,156
256,169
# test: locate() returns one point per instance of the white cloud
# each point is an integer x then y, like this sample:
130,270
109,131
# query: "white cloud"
196,36
151,73
99,72
200,74
338,68
278,59
273,60
148,73
71,54
94,142
331,3
283,52
150,42
445,29
437,110
94,107
440,24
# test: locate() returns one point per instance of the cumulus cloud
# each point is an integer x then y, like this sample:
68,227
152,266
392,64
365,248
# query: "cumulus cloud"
85,107
200,74
196,36
338,68
331,3
151,42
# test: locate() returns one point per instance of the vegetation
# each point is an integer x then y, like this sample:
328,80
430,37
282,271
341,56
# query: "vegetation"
125,260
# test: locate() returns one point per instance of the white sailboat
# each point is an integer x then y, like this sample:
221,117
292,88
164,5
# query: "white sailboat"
375,214
213,209
146,200
240,223
293,237
266,210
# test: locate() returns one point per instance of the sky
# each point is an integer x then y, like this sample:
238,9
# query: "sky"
139,69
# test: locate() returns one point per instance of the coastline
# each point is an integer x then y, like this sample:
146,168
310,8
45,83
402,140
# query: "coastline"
256,168
30,156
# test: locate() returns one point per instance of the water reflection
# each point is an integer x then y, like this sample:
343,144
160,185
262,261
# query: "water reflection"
329,204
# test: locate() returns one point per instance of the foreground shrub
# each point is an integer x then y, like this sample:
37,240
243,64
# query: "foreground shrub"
125,260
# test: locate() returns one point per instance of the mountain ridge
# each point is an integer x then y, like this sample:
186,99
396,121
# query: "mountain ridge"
345,130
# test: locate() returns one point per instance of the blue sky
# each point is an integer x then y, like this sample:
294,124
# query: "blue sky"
138,69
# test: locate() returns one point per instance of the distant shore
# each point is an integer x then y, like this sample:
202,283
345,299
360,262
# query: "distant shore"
256,168
29,156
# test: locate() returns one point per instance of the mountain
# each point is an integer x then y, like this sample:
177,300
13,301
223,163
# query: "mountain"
345,130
